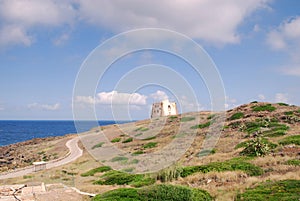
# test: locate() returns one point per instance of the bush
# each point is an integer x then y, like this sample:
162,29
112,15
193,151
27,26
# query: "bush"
128,140
295,162
118,139
264,140
137,152
267,107
160,192
237,115
207,124
94,171
169,174
206,152
289,113
119,158
185,119
150,145
121,178
173,192
256,147
141,129
283,104
230,165
295,139
150,138
98,145
273,191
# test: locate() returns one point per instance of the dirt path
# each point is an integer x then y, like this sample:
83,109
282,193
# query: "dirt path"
74,153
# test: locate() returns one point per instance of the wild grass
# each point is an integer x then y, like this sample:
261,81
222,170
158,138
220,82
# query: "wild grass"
96,170
150,145
127,140
295,162
230,165
119,158
142,129
98,145
118,139
185,119
294,139
207,124
237,115
272,191
283,104
121,178
154,193
264,140
266,107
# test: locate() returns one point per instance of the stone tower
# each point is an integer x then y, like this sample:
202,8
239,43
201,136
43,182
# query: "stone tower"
163,108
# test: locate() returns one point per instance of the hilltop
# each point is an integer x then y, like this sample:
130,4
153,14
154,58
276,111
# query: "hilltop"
257,150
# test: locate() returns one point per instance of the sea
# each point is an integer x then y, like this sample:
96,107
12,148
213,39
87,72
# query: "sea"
13,131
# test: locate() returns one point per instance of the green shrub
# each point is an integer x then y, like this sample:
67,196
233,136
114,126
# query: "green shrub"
295,162
295,139
264,140
254,102
256,147
283,104
121,178
206,152
98,145
237,115
185,119
137,152
94,171
150,138
119,158
173,192
207,124
230,165
161,192
289,113
141,129
273,191
150,145
118,139
211,116
127,140
267,107
169,174
121,194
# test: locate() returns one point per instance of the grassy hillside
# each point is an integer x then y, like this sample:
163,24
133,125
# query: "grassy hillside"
257,153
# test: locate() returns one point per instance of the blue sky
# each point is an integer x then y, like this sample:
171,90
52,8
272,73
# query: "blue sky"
255,45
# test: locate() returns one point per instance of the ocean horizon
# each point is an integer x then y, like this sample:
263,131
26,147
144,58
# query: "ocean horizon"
14,131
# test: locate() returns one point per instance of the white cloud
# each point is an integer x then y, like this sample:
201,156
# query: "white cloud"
159,96
189,105
261,97
43,106
18,17
281,98
211,20
230,102
61,39
113,97
286,38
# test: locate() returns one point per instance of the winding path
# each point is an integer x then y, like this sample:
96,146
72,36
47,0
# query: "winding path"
74,153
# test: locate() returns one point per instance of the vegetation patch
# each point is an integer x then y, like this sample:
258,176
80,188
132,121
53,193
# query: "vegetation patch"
169,174
295,162
283,104
230,165
289,113
150,138
211,116
141,129
185,119
138,152
207,124
155,193
256,147
121,178
94,171
237,115
119,158
150,145
295,139
264,140
127,140
98,145
118,139
273,191
206,152
267,107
